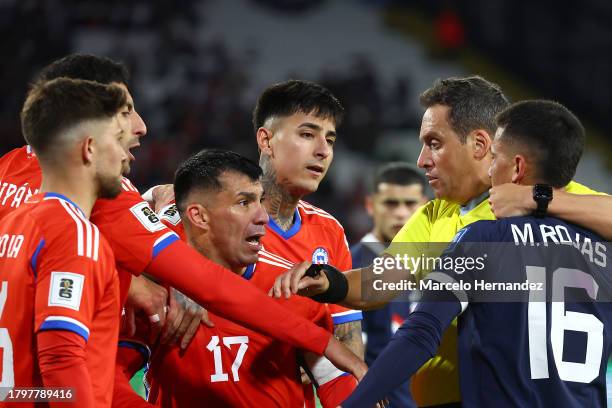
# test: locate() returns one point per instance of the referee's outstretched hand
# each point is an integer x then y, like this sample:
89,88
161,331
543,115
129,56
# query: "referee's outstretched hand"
295,281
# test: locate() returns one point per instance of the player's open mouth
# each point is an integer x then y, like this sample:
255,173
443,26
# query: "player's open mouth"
254,241
316,169
130,155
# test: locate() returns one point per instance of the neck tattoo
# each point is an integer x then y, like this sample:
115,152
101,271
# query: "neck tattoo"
279,204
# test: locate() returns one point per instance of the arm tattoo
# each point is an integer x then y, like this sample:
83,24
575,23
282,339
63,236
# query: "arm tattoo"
349,334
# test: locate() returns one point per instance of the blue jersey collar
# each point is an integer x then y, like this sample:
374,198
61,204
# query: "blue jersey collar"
295,228
249,272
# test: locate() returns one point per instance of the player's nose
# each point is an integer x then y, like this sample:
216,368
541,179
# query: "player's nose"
402,212
261,216
139,128
424,159
323,149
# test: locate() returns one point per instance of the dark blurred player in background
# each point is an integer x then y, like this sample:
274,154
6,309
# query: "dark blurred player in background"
219,197
395,192
59,300
141,243
509,355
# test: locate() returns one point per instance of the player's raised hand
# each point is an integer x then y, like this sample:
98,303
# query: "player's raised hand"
295,281
511,200
183,319
344,359
162,196
150,298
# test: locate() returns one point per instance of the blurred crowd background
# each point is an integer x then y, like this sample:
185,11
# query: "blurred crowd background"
197,68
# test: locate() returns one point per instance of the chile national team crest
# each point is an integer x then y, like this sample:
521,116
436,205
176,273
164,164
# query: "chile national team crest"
320,256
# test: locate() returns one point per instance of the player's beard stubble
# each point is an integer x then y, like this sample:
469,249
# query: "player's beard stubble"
109,186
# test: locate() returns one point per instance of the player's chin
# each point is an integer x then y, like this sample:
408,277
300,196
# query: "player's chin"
248,258
438,191
308,186
110,188
125,168
395,230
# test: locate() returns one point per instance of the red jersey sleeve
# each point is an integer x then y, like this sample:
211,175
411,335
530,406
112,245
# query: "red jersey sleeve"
135,232
72,276
20,178
333,385
61,358
343,261
170,216
217,290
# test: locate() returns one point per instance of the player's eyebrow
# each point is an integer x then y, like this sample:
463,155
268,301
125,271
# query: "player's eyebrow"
317,128
429,135
397,201
248,195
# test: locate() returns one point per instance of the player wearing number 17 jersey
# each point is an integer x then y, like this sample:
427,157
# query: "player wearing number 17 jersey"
219,196
545,341
59,301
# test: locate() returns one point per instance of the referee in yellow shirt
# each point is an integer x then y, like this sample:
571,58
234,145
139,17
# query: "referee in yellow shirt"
457,130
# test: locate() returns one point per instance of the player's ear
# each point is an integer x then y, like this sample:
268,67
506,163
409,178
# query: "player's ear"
87,147
520,168
481,143
198,216
264,135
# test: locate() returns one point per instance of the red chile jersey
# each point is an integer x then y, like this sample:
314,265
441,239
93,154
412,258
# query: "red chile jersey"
269,266
133,230
314,236
57,272
20,178
229,365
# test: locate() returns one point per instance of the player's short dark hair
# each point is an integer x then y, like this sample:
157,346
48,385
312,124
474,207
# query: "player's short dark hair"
202,171
293,96
549,133
473,103
399,173
54,106
85,66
